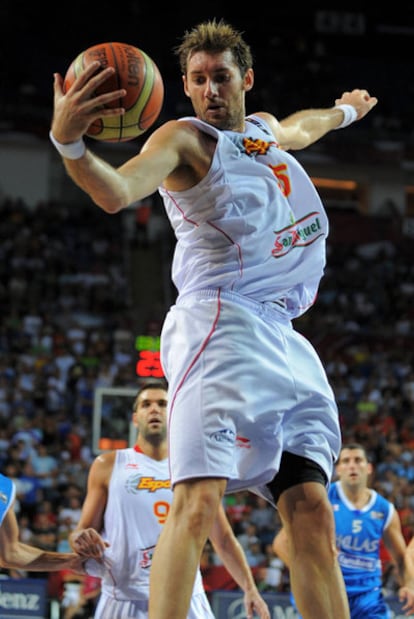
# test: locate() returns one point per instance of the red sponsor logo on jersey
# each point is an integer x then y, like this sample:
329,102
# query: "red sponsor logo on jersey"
242,441
146,557
299,234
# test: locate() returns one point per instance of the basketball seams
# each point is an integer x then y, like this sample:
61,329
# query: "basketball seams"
119,84
156,82
147,88
146,91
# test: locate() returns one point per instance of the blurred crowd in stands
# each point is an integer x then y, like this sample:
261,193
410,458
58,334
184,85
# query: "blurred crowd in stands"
67,327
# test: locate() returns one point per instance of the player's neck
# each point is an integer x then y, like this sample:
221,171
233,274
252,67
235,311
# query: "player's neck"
156,452
359,497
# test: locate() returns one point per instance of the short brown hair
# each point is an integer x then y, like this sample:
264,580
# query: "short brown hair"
215,37
150,384
354,446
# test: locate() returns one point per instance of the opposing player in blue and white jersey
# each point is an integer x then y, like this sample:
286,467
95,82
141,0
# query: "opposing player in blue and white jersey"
363,519
127,503
16,554
250,405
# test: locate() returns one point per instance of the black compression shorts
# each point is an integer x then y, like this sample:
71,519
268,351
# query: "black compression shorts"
295,470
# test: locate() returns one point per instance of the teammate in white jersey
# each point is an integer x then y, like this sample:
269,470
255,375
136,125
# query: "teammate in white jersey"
363,518
127,503
249,402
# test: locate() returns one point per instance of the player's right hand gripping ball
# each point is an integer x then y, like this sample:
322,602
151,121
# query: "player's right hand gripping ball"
138,74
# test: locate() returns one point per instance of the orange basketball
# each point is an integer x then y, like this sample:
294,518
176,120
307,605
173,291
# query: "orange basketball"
138,74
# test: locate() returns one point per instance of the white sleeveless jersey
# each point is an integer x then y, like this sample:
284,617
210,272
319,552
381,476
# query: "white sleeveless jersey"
255,225
139,498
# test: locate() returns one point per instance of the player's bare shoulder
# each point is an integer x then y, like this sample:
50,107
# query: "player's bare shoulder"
272,123
176,132
102,466
196,150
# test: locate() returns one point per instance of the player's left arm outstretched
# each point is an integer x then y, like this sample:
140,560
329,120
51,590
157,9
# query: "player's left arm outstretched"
16,554
403,558
303,128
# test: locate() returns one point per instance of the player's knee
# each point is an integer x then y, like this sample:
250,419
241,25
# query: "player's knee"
307,515
196,503
315,519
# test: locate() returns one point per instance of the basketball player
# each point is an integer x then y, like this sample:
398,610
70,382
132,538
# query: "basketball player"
249,401
362,519
16,554
126,506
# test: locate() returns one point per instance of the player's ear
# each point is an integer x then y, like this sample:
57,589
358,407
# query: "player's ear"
248,80
185,85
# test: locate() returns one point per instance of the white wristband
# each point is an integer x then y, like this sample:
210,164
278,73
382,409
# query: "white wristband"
350,114
74,150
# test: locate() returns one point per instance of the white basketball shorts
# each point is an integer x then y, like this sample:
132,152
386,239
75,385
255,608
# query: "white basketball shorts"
109,608
243,387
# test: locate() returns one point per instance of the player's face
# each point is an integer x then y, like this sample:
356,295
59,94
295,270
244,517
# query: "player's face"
217,89
150,415
353,467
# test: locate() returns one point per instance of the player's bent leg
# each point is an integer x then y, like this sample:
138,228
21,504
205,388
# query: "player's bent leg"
306,513
178,551
315,576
